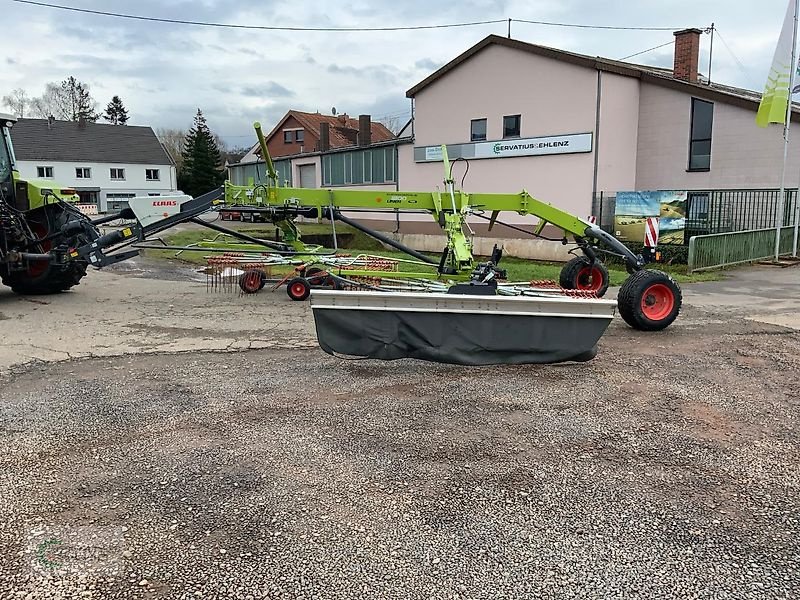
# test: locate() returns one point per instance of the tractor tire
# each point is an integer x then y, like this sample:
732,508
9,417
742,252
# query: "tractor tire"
42,277
649,300
580,274
298,289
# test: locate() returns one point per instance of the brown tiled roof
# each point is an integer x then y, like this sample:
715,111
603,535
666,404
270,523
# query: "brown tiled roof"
343,128
655,75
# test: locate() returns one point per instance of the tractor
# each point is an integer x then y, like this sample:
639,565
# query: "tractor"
39,228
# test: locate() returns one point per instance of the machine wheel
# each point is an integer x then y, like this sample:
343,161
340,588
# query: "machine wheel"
298,288
580,274
649,300
312,275
253,281
43,277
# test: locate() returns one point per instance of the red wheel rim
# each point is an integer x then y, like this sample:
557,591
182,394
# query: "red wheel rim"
252,282
658,301
297,289
589,279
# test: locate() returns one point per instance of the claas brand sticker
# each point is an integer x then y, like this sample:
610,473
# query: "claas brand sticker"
165,203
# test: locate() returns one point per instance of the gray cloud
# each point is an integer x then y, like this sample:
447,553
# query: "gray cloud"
270,89
427,64
164,71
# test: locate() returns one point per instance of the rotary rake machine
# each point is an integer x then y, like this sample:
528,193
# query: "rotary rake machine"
454,309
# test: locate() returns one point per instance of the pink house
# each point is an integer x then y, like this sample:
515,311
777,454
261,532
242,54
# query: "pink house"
566,126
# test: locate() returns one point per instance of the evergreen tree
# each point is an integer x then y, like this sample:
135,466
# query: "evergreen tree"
116,113
201,160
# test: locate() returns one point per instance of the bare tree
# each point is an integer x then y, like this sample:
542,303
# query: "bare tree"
393,123
69,100
18,101
174,141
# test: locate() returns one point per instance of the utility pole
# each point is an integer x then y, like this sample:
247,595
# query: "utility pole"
711,54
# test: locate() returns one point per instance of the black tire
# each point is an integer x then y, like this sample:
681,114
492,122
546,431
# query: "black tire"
48,278
649,300
578,274
298,289
252,281
325,281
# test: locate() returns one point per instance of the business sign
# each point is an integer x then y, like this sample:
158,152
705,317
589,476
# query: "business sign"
433,153
538,146
557,144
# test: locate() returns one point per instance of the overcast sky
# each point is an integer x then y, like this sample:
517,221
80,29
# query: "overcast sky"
164,72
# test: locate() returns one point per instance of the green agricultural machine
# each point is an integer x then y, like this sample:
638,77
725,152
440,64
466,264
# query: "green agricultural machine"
454,309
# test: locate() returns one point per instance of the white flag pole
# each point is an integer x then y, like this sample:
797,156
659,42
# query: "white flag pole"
786,129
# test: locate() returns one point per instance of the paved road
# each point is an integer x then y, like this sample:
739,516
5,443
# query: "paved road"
667,467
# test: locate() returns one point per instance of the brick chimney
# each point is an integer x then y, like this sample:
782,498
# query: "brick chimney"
324,137
364,130
687,53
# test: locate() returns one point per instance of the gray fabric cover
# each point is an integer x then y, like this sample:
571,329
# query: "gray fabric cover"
466,339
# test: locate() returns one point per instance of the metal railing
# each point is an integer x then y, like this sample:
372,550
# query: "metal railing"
724,249
716,211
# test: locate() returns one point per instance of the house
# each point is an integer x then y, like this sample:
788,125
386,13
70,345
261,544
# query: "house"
567,127
314,150
105,164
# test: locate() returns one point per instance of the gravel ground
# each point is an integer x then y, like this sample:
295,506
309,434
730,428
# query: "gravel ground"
668,467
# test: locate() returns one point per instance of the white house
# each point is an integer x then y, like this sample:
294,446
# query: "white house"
105,164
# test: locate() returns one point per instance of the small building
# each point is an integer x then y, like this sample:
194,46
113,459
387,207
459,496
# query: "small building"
567,127
106,164
313,150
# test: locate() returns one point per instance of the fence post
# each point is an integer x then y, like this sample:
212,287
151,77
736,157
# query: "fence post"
690,261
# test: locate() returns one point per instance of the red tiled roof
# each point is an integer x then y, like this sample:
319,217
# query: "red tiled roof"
343,128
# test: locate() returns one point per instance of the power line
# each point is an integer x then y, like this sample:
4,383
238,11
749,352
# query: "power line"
669,43
259,27
583,26
339,29
735,58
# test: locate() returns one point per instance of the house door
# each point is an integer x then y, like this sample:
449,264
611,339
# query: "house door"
308,176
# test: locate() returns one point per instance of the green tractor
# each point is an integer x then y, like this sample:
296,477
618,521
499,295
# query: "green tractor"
40,228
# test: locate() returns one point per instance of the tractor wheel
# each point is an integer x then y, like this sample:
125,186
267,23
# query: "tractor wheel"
580,274
252,281
43,277
298,289
649,300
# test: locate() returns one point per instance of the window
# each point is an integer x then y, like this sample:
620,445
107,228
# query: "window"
288,136
299,136
44,172
117,174
511,126
83,173
700,135
477,130
152,175
358,167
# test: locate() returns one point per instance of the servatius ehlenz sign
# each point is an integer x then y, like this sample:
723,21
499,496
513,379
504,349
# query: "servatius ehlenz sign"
538,146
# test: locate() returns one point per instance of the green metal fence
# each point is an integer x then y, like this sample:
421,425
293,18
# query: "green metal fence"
722,249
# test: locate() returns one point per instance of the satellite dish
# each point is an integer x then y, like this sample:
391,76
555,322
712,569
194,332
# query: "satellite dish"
333,111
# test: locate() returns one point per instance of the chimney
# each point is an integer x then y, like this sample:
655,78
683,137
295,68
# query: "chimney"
82,122
50,121
342,118
364,130
324,137
687,52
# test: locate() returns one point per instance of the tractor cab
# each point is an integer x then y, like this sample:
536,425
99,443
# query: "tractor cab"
6,160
